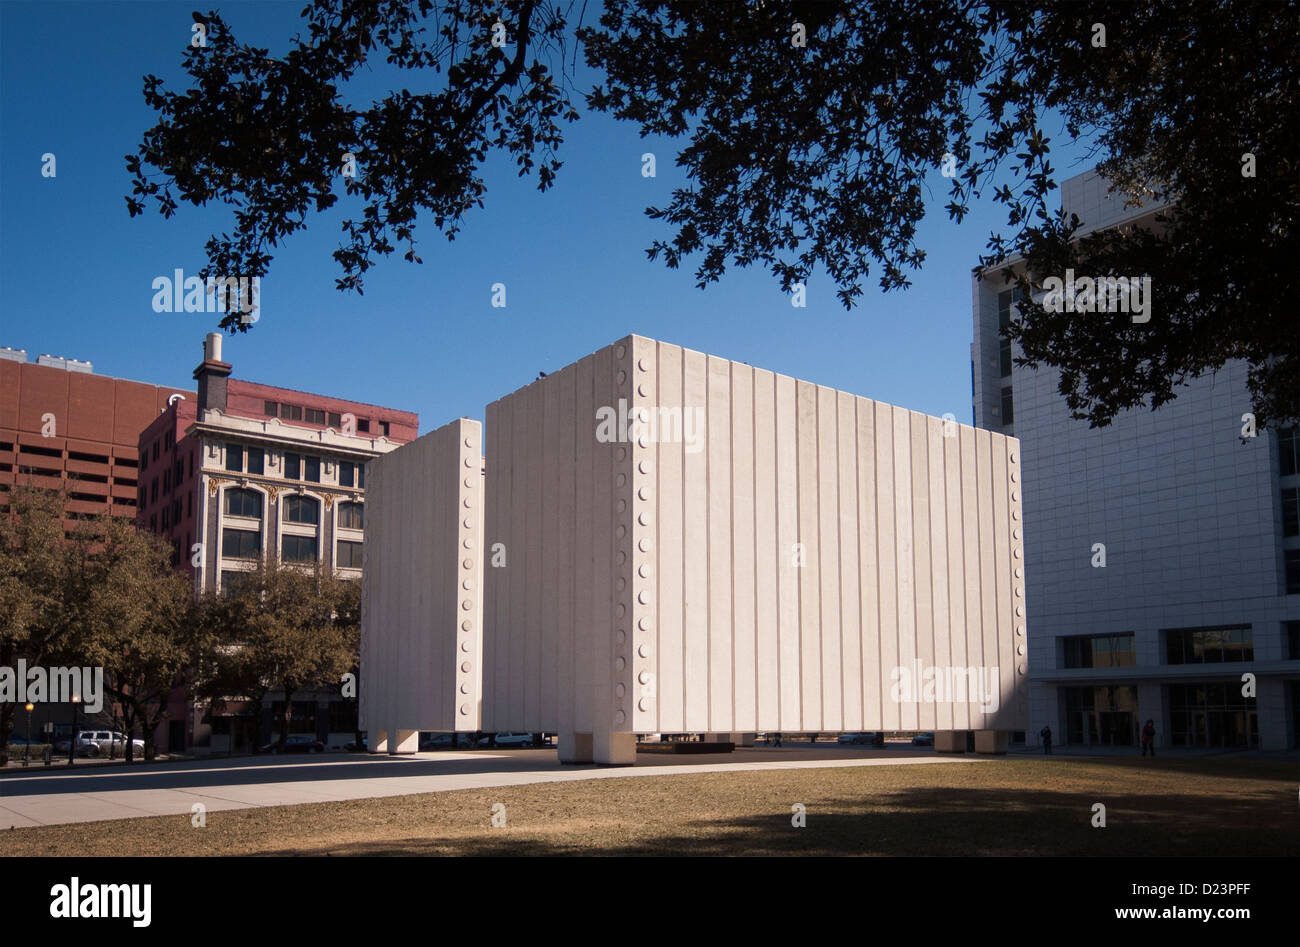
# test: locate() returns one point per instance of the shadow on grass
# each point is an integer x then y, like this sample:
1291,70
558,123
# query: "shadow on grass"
970,822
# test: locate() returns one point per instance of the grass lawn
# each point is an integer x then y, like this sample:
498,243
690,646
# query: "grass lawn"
1008,806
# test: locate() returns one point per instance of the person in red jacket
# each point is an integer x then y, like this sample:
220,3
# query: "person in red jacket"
1149,738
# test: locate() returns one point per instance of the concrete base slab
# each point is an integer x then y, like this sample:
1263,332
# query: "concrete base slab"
614,749
408,741
574,747
991,741
950,741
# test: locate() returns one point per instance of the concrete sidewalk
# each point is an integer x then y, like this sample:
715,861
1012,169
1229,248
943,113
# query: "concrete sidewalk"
172,789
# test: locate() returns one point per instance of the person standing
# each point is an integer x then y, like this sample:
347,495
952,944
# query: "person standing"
1046,735
1149,738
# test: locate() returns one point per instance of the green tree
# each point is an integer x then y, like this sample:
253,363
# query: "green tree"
809,134
286,627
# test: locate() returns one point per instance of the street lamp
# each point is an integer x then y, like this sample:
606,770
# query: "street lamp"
27,754
76,722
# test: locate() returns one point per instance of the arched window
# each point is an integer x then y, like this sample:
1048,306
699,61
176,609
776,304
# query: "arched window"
300,509
351,515
241,502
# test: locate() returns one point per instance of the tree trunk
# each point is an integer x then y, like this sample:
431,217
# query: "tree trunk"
287,716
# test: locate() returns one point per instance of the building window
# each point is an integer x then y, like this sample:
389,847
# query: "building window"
189,505
298,548
153,491
293,466
351,516
298,509
361,476
232,581
312,416
167,482
1209,645
155,450
1292,566
363,425
311,469
256,460
191,463
298,467
1288,443
1291,511
240,502
235,458
1008,407
1101,715
347,473
1004,357
271,409
1292,640
291,412
166,517
240,543
335,421
1212,715
349,554
383,428
1100,651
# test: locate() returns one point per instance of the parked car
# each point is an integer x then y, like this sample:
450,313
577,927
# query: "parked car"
514,739
923,739
862,739
352,746
296,743
441,741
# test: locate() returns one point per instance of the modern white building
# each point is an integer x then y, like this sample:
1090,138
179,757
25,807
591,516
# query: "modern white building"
1200,533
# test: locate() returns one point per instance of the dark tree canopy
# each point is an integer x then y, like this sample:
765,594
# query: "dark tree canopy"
808,133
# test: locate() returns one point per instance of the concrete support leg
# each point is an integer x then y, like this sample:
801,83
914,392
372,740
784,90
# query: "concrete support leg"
379,743
407,741
991,741
614,749
574,747
950,741
741,739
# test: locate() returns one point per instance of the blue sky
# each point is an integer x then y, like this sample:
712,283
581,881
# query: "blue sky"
76,271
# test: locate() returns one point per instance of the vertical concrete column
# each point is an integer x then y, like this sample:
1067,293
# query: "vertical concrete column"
379,741
741,739
950,741
614,748
1271,711
574,747
992,742
407,741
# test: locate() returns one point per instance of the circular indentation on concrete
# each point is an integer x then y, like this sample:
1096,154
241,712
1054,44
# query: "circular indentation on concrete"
644,493
620,532
468,503
622,377
467,666
464,709
643,466
1016,552
644,544
619,716
620,480
620,663
1020,611
467,563
620,351
620,610
621,637
1020,630
622,505
643,623
643,597
1013,457
464,688
465,646
469,523
643,519
1014,476
469,442
468,544
469,461
467,584
466,605
643,570
643,704
1021,669
620,690
643,650
1015,532
1020,593
621,584
644,677
1015,514
467,625
622,557
1015,496
641,390
643,441
643,364
1019,572
1020,649
622,453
